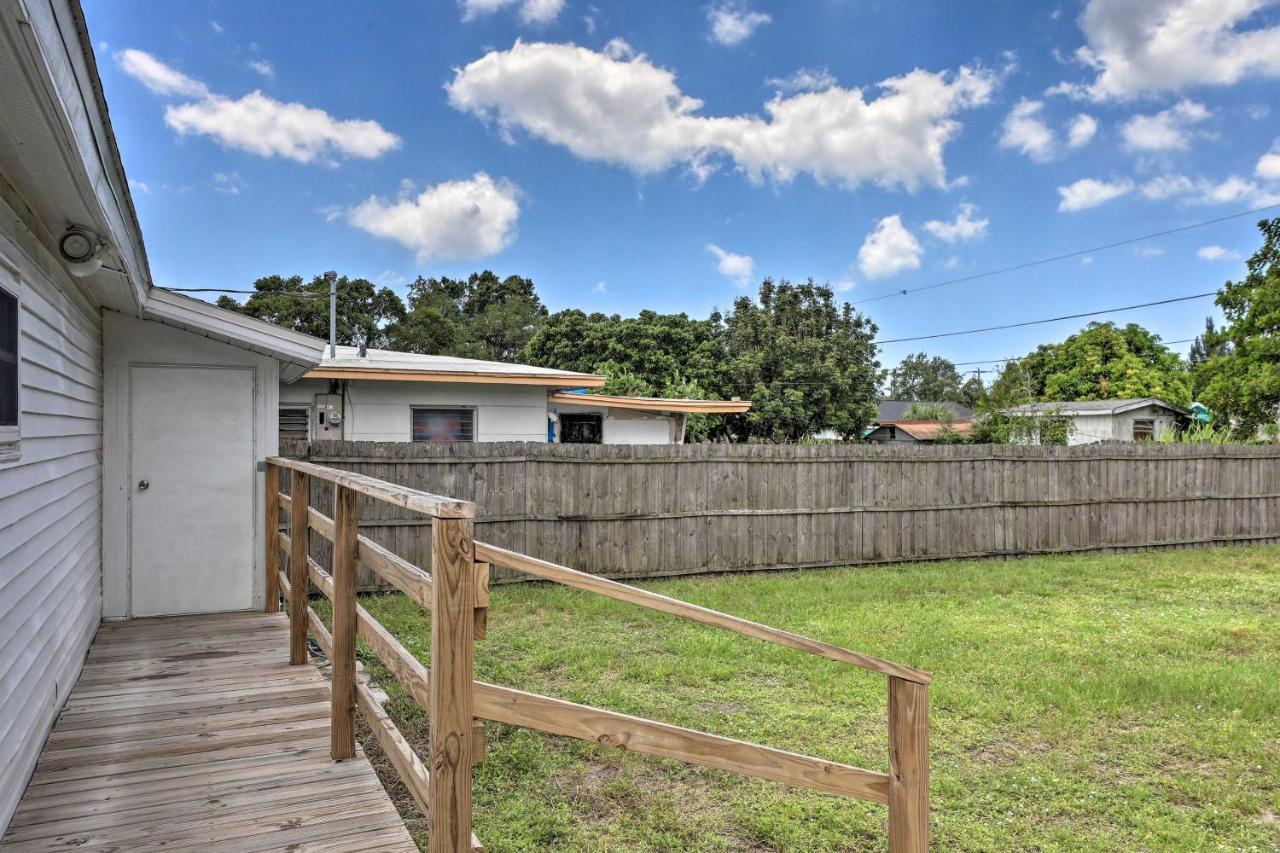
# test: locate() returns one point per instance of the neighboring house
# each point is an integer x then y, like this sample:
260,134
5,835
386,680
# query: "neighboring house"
1091,421
383,395
917,432
132,421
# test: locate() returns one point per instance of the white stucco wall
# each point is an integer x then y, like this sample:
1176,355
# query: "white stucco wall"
380,411
130,341
638,429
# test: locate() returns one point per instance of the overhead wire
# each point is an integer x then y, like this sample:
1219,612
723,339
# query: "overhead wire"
1068,255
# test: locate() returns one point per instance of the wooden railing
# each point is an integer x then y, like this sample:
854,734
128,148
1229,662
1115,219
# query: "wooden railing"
456,593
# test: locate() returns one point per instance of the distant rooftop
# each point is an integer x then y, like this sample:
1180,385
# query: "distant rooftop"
1094,407
414,367
896,410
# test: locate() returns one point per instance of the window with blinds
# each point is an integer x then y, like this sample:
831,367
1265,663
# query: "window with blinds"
294,421
444,425
8,363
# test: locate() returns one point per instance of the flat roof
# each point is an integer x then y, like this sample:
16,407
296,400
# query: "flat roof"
1095,407
653,404
391,365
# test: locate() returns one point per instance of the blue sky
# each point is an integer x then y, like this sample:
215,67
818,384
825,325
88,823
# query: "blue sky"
668,155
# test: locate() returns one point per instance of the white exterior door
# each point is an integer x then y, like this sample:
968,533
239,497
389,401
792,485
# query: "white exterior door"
191,508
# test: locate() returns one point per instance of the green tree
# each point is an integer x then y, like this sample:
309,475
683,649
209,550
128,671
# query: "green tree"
807,363
1101,362
922,378
1242,385
364,311
481,317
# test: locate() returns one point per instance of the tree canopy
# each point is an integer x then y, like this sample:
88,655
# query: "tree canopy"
482,317
922,378
1241,377
365,312
1103,361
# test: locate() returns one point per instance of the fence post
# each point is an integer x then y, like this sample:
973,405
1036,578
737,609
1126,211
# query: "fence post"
908,766
299,548
272,587
342,731
452,662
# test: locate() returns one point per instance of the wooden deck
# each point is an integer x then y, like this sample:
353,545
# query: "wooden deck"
194,732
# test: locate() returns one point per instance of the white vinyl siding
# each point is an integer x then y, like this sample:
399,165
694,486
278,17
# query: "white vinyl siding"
50,512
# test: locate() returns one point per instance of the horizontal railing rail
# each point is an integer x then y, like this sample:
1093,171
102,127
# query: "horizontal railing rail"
456,592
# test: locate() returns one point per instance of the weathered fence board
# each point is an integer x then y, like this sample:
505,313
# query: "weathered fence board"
648,511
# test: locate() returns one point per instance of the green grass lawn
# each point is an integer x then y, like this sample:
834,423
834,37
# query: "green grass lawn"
1080,703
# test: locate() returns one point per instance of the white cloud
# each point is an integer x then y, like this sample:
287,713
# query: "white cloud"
1139,47
1148,251
1089,192
1081,130
1026,131
600,287
262,125
889,249
739,269
158,77
531,11
1268,167
844,284
1216,253
634,114
215,26
140,186
803,80
619,49
732,23
1166,130
454,220
1200,190
263,67
228,182
966,226
257,123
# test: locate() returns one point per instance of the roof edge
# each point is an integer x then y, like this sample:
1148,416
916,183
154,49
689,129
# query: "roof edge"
652,404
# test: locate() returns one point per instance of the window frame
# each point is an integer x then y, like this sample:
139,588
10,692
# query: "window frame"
1149,428
583,416
305,408
427,407
11,434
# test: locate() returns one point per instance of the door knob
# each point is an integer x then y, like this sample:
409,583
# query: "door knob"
143,485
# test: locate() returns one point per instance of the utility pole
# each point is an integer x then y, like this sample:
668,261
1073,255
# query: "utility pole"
332,278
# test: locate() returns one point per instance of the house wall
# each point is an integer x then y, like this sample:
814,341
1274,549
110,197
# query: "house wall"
50,505
131,341
887,434
1092,428
623,427
379,411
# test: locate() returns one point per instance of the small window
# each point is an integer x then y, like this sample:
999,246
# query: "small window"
581,429
444,425
294,421
8,368
1144,430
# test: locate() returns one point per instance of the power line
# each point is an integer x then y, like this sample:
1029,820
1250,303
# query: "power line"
1067,256
1050,319
1021,357
257,292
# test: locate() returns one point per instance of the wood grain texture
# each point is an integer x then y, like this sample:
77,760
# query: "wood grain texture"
452,663
413,499
272,589
299,529
908,767
343,660
235,762
654,601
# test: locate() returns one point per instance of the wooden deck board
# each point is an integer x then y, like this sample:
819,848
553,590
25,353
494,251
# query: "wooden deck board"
193,732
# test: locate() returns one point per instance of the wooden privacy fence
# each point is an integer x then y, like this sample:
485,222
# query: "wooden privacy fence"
633,512
456,592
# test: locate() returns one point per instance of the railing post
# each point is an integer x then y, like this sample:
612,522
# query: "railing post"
299,549
908,766
272,588
452,662
342,734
